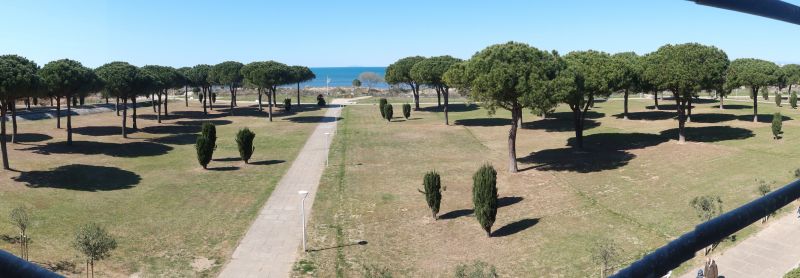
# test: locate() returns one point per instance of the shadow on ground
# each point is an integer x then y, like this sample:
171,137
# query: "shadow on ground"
267,162
733,106
100,130
654,115
200,122
452,107
362,242
132,149
501,202
29,137
312,119
558,125
515,227
762,118
712,118
710,133
176,139
81,177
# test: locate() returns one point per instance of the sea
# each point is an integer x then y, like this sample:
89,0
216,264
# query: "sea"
342,76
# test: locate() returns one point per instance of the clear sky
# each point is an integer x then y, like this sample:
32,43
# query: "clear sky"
369,33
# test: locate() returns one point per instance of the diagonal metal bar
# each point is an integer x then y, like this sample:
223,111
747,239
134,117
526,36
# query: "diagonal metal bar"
774,9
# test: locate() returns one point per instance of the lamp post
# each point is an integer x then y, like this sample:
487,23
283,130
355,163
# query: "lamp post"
327,154
303,215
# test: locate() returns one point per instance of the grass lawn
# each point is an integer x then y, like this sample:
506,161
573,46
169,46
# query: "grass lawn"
631,187
454,98
169,216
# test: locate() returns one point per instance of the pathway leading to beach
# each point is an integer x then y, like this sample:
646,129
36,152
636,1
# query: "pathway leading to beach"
271,244
771,252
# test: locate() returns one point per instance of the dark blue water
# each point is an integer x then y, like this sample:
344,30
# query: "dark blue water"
342,76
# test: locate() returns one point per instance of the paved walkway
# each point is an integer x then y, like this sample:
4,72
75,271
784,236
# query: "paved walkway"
271,245
771,252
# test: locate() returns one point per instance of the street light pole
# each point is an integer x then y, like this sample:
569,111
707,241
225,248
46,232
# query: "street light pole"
303,215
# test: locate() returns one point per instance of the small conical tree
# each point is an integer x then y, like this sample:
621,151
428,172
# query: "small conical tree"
793,99
206,144
209,131
287,104
381,105
388,112
765,92
484,197
778,99
244,140
777,124
406,111
433,191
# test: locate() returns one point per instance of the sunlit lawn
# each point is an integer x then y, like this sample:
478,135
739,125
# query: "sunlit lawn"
170,217
631,187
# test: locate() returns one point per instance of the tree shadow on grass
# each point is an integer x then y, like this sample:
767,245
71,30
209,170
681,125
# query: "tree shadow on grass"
712,118
568,159
733,106
227,159
81,177
762,118
267,162
619,141
507,201
132,149
483,122
200,122
558,125
176,139
196,115
171,129
710,133
569,116
648,115
312,119
667,107
224,169
29,137
456,214
452,107
515,227
361,242
100,130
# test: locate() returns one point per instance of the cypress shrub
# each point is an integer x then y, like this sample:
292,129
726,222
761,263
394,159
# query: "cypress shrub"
244,140
209,131
484,196
777,124
778,99
388,112
320,100
287,104
433,191
765,92
406,111
381,106
793,100
200,97
205,150
213,97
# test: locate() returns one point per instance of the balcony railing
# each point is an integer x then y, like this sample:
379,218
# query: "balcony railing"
13,266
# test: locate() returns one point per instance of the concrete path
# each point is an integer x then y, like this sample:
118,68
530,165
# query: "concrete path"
771,252
271,245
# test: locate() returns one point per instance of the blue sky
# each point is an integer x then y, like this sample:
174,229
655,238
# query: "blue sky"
369,33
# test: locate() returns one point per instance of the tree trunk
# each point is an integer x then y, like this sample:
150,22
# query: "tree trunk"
689,110
58,111
446,94
158,112
519,121
13,122
106,100
133,119
512,144
116,107
721,102
153,100
415,92
69,122
438,98
260,109
166,104
755,104
186,94
577,119
28,103
233,98
656,99
3,149
275,98
35,101
298,95
625,111
124,117
205,97
681,119
269,102
82,100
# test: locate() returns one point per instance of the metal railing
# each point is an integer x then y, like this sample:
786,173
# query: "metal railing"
774,9
670,256
13,266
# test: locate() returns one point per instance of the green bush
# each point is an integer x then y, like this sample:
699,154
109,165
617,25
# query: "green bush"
206,143
406,111
478,269
794,273
321,100
765,92
778,99
287,104
484,196
433,191
381,106
244,140
388,112
793,100
777,124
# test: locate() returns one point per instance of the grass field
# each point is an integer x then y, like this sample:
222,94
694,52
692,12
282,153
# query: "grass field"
169,216
631,187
